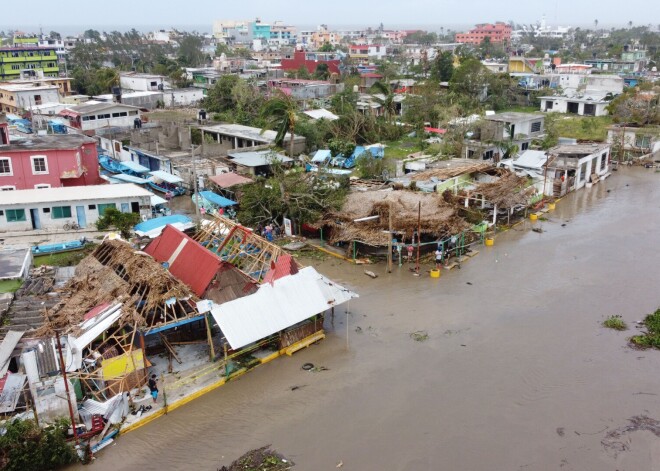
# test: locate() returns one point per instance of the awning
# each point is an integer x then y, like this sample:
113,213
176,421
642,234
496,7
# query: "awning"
274,307
6,348
217,199
227,180
156,200
166,177
134,166
129,178
153,227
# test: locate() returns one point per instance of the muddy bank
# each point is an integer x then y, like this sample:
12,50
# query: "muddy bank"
510,359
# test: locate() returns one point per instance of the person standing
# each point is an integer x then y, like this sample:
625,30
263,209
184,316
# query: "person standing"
438,258
153,387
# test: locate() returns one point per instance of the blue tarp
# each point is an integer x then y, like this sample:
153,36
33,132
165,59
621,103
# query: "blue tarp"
155,223
322,155
217,199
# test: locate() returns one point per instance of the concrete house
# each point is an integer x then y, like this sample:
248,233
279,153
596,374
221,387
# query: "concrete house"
517,128
237,136
635,141
573,166
94,115
51,208
136,82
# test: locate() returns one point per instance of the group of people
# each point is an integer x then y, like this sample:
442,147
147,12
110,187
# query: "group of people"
268,232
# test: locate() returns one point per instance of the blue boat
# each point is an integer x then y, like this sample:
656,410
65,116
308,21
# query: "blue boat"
164,182
60,247
128,167
110,164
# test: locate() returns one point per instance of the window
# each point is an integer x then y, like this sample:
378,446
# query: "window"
103,207
5,167
92,206
643,141
46,210
103,116
7,188
536,126
39,164
61,212
603,161
15,215
16,67
41,186
524,146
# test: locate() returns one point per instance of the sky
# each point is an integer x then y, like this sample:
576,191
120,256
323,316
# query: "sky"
72,16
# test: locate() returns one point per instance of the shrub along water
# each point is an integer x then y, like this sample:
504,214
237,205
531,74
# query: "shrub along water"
650,339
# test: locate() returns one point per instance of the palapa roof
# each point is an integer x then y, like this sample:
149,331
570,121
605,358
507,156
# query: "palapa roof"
438,218
115,272
508,191
455,170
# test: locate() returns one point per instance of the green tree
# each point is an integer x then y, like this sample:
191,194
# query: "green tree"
322,72
388,103
327,47
190,51
281,113
27,447
302,73
443,66
123,222
220,98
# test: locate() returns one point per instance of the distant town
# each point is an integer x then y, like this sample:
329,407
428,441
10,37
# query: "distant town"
168,196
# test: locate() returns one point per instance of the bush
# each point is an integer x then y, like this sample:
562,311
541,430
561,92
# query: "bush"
650,339
123,222
26,447
615,322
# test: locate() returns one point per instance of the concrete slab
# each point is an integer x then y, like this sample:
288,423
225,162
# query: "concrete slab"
12,262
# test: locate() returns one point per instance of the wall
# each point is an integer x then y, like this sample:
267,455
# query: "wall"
184,97
82,161
49,223
142,84
125,121
560,105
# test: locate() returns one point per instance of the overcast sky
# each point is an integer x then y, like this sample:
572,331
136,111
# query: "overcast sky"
51,14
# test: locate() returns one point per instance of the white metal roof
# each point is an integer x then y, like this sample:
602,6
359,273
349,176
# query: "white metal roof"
274,307
6,348
72,193
321,114
11,392
531,159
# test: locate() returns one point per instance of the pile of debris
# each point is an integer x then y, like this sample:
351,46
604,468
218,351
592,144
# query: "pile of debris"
508,191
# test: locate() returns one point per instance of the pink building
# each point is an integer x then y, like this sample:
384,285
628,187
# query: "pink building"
47,161
499,33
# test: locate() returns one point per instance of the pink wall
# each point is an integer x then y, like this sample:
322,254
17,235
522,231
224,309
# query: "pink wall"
63,168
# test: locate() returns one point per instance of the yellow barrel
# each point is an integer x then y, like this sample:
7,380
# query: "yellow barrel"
551,206
435,273
533,217
490,241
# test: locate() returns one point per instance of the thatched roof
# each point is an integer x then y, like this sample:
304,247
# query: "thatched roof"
452,171
508,191
437,217
115,272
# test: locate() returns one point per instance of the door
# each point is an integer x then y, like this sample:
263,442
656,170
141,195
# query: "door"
34,215
125,208
82,217
135,207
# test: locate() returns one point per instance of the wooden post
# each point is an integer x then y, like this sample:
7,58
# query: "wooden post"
419,233
389,241
66,386
162,384
226,364
210,338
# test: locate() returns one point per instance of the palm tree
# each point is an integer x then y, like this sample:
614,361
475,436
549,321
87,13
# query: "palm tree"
387,103
281,113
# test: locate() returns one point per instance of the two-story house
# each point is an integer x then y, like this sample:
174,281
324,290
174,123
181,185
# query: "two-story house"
47,161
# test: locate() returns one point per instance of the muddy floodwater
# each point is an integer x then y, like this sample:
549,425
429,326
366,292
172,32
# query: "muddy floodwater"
516,373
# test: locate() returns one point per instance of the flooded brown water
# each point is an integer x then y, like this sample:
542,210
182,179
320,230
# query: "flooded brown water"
517,373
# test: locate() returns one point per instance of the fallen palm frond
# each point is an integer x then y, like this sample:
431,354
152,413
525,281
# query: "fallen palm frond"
450,172
508,191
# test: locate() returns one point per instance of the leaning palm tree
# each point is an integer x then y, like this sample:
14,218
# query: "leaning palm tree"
280,112
388,103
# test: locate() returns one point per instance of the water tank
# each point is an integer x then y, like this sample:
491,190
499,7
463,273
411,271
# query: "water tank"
356,89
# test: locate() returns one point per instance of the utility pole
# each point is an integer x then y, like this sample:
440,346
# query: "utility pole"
196,190
66,386
419,234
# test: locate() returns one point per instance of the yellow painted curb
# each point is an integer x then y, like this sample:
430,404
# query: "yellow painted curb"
330,252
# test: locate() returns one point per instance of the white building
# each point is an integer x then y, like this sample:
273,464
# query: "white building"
586,105
573,166
135,82
183,96
52,208
15,96
94,115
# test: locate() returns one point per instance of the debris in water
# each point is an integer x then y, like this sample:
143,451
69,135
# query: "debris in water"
419,336
308,366
263,459
340,464
614,441
370,273
468,283
563,225
560,431
295,388
538,229
358,329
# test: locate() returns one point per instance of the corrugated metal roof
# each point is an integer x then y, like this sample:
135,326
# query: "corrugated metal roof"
11,392
284,266
274,307
166,177
227,180
154,227
7,347
188,261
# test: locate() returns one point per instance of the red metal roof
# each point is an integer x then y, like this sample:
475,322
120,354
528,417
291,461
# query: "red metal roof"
188,261
284,266
227,180
435,130
372,75
96,311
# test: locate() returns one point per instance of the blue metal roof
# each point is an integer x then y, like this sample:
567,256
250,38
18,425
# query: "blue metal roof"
217,199
134,166
322,155
155,223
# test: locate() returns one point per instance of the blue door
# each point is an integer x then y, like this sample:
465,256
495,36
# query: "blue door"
82,217
36,222
125,208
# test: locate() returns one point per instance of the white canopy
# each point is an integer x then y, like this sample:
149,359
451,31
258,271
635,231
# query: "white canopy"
166,177
156,200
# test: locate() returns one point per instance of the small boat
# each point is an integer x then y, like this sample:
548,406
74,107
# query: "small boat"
110,164
164,182
60,247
